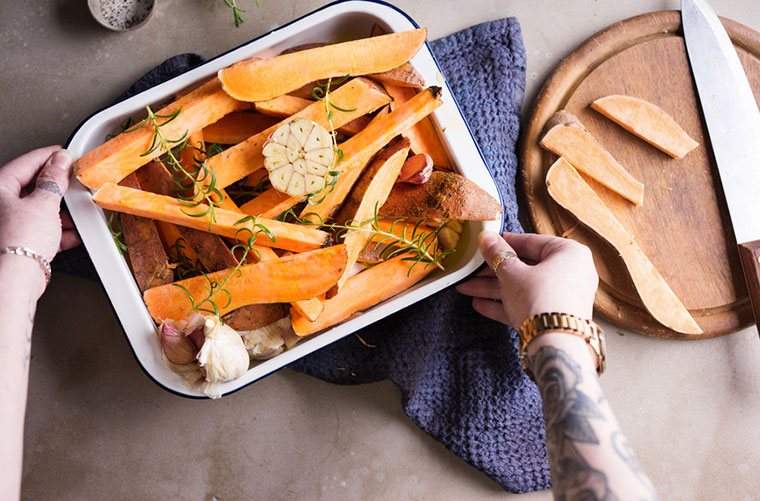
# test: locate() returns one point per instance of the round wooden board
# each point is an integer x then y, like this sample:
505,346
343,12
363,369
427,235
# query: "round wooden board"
683,225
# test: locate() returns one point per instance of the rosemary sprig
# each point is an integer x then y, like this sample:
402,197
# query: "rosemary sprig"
184,267
240,251
237,12
322,92
203,196
114,227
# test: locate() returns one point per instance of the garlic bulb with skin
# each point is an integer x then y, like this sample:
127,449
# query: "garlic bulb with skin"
223,355
179,339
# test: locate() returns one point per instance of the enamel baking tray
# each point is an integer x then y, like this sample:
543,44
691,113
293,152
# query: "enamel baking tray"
339,21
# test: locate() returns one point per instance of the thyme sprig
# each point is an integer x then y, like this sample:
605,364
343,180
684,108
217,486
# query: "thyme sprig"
240,251
196,190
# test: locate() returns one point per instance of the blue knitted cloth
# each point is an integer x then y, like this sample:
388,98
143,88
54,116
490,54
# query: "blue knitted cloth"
458,372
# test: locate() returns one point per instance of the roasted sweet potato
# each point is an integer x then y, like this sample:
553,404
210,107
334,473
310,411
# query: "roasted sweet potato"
362,291
570,191
237,127
648,122
577,145
118,157
358,150
260,80
359,95
270,204
297,238
287,279
403,76
445,196
147,256
422,135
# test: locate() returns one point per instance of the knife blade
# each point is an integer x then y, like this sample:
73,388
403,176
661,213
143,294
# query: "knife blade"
733,123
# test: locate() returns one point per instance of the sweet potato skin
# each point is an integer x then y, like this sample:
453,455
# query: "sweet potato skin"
287,279
260,80
445,196
363,291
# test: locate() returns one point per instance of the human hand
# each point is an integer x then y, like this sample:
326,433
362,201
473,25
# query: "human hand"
561,279
31,187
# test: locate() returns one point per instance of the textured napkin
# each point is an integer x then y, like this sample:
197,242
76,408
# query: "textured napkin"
458,372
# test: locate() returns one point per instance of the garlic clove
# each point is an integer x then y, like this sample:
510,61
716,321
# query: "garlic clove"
268,341
223,355
177,346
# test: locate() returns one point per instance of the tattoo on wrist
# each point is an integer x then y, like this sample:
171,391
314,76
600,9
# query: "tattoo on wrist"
624,450
568,412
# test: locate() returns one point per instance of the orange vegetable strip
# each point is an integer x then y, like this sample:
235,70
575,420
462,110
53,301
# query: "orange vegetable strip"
237,127
359,95
422,135
284,106
310,308
270,204
120,156
259,80
294,237
362,291
281,280
358,150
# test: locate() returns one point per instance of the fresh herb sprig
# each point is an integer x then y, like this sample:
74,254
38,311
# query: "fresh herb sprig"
196,190
114,226
237,12
208,304
418,245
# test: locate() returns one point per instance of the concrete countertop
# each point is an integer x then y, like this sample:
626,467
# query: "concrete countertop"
97,428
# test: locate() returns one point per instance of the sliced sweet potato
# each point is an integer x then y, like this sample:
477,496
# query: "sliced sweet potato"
310,308
417,169
265,79
120,156
270,204
346,212
585,153
147,256
362,291
294,237
445,196
359,95
285,106
648,122
255,316
286,279
358,150
403,76
237,127
422,135
570,191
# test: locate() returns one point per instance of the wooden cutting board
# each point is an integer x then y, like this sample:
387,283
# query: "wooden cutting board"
683,225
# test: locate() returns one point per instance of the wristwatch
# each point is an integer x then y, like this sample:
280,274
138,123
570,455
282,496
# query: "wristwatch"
563,323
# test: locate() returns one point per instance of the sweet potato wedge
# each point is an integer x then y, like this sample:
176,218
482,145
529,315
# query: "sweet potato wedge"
268,78
293,237
270,204
362,291
358,150
569,190
585,153
287,279
147,256
120,156
422,135
237,127
360,95
255,316
374,196
648,122
285,106
445,196
311,308
347,211
403,76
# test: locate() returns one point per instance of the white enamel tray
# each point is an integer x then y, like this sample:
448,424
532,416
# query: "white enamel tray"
342,20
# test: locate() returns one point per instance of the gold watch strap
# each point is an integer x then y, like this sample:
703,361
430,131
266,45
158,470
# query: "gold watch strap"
542,323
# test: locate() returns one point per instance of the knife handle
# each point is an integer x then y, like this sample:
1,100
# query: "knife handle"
749,255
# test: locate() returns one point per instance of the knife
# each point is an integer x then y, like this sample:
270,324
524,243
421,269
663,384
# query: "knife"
733,123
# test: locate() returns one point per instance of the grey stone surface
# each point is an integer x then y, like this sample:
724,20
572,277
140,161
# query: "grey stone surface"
97,428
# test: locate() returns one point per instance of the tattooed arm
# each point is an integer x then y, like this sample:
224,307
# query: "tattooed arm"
31,187
589,456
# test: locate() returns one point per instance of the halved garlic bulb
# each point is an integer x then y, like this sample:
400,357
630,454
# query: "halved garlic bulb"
298,156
